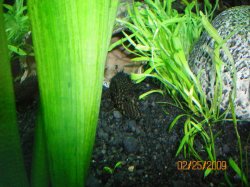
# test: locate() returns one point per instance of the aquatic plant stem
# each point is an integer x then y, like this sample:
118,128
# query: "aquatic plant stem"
237,136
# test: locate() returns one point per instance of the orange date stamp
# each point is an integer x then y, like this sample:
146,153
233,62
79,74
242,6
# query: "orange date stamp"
201,165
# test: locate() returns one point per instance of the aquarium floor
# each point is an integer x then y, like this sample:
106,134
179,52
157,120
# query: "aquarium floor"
145,147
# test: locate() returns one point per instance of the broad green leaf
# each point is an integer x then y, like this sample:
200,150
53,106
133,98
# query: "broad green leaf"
71,42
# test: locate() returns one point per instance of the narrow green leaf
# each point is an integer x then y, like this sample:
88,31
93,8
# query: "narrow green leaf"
210,154
207,172
183,142
17,50
175,121
227,179
8,7
211,30
140,59
142,96
240,173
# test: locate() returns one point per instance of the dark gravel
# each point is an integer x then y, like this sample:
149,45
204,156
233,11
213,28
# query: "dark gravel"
147,149
145,146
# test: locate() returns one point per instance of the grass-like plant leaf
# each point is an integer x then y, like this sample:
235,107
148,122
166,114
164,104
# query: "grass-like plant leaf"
142,96
173,123
239,172
16,22
164,38
207,172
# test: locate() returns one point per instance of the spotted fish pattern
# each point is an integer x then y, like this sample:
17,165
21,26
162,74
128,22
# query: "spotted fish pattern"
122,91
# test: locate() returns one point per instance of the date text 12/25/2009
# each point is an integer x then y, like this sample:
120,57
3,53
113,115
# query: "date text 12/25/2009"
201,165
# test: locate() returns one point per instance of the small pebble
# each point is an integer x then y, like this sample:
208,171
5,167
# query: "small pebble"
130,144
132,125
117,114
131,168
102,135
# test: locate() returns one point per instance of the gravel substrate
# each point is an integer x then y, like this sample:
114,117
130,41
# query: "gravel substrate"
145,147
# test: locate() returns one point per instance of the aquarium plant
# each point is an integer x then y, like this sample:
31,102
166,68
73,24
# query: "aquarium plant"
18,29
111,170
11,160
17,26
71,41
164,38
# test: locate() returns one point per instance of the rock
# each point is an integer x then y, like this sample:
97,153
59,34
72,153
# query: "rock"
102,135
131,168
131,125
233,22
130,144
115,141
117,114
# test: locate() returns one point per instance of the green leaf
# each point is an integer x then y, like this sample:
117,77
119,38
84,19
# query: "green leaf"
207,172
118,164
17,50
142,96
211,30
8,7
139,59
227,179
71,42
210,154
175,121
108,170
184,141
240,173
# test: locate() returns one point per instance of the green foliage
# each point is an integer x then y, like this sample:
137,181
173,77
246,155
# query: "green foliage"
12,171
239,172
72,60
17,50
39,171
17,23
71,41
18,29
164,38
232,163
110,170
